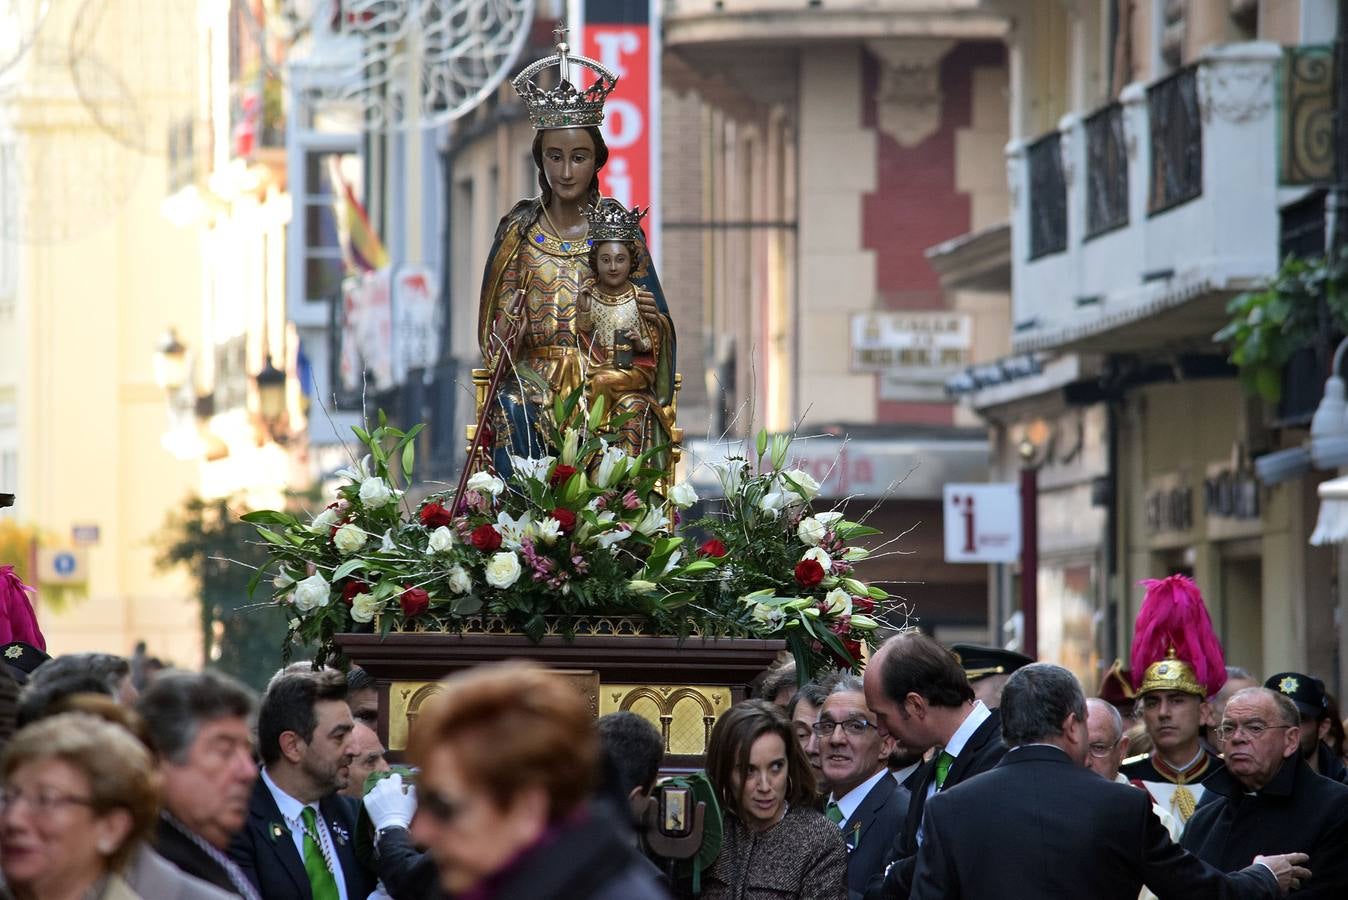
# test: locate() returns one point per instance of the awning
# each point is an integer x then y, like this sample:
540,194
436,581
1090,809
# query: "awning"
1332,526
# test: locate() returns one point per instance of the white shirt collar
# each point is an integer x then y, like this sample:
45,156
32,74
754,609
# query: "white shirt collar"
290,808
902,774
849,802
977,716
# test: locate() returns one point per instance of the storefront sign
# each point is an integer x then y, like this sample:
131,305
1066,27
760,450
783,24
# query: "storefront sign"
932,345
982,523
624,38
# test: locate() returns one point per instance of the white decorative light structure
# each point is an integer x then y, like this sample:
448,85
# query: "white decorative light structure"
423,63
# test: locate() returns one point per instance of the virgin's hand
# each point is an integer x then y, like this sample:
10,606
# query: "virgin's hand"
646,305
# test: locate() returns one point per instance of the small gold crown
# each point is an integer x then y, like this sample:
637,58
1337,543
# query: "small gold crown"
610,222
1171,674
564,106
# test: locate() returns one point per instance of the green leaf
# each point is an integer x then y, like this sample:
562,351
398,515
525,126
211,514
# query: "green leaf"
850,530
697,566
269,517
347,568
273,537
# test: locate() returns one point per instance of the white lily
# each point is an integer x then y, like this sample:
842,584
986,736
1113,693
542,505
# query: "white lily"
653,521
839,602
530,468
612,466
819,555
513,531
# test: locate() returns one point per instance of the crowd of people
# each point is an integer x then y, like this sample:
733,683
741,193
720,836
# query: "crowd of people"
939,774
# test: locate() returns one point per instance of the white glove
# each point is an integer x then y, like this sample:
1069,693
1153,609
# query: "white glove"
390,803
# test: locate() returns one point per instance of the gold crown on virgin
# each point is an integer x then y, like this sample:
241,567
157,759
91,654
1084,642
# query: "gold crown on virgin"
610,222
564,106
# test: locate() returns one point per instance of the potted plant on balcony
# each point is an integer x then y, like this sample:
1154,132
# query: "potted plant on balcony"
1270,325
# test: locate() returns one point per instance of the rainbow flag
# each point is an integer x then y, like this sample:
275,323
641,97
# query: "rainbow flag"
361,248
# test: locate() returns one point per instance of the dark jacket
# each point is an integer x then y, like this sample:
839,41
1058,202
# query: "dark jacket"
266,852
178,849
586,859
981,752
1331,765
1298,811
803,856
406,872
870,833
1040,826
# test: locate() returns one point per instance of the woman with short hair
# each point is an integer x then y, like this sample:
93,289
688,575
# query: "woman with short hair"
509,756
78,797
775,845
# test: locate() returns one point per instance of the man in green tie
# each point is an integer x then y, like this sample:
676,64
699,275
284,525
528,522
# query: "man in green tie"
297,844
865,802
921,695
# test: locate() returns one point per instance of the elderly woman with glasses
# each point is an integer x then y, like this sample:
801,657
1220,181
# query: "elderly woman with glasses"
78,798
509,755
775,845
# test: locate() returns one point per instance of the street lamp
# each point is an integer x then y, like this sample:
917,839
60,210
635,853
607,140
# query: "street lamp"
170,362
1329,425
271,393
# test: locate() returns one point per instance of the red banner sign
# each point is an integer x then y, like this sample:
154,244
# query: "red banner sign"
624,49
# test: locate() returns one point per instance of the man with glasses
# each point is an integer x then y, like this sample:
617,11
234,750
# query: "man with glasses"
865,802
1108,746
1313,703
1270,799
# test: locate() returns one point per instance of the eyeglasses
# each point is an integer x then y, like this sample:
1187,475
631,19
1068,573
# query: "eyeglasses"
1255,730
44,802
438,806
1100,751
853,727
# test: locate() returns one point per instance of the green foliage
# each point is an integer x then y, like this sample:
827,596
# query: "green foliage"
217,549
1268,326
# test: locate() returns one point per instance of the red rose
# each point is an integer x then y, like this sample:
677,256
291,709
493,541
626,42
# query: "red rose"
565,517
353,587
809,573
433,515
561,474
486,538
712,547
853,649
414,602
863,604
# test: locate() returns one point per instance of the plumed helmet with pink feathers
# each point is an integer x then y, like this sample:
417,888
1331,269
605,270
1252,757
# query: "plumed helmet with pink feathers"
1174,645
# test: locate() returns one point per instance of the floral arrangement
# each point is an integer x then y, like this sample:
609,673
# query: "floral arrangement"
587,532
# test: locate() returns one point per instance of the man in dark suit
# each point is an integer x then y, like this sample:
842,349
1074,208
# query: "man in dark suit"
921,695
297,843
1269,796
1047,826
200,725
866,803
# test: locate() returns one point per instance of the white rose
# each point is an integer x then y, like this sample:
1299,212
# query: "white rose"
460,582
324,520
818,555
485,482
312,593
374,493
803,483
811,531
442,539
363,608
349,538
503,569
683,495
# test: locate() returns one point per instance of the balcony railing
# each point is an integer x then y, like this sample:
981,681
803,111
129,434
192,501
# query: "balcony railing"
1106,171
1176,140
1048,197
